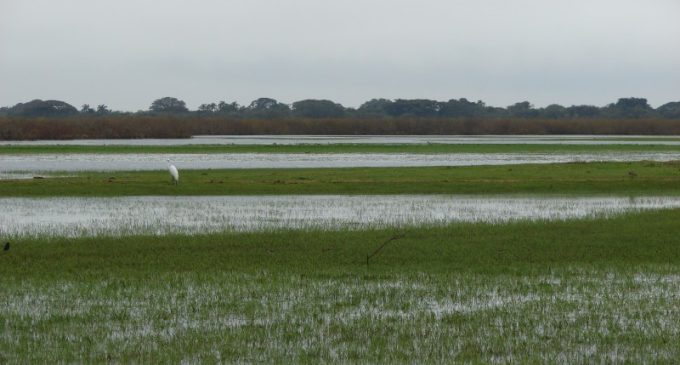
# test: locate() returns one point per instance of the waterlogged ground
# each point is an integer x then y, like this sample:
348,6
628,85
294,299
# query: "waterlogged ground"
422,139
572,291
157,215
569,315
537,285
16,175
38,163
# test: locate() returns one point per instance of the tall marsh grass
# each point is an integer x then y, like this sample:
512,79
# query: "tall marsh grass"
140,126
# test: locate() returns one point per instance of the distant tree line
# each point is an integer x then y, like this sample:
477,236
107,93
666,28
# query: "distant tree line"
170,118
267,108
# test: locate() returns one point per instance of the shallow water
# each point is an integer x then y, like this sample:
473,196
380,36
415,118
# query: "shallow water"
132,161
16,175
414,139
73,217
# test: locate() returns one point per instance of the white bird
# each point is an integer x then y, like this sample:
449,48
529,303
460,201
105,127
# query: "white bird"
173,173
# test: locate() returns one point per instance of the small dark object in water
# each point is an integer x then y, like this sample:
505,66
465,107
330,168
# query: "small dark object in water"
6,246
38,177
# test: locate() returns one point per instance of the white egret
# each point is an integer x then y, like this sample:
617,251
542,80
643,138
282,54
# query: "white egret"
173,173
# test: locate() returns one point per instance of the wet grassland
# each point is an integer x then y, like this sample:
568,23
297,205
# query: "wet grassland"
579,178
562,291
604,289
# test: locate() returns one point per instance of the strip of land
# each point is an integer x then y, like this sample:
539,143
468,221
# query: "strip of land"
610,178
341,148
629,239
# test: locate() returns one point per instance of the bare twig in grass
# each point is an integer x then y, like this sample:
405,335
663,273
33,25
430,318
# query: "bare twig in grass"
377,251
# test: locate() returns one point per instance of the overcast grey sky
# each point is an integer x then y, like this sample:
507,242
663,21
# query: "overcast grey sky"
126,53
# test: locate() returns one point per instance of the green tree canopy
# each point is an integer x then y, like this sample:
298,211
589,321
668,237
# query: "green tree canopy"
43,108
413,107
312,108
267,108
461,108
168,105
554,111
630,108
670,110
374,107
583,111
522,109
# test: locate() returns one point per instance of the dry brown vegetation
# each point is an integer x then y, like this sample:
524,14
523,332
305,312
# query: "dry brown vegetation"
116,126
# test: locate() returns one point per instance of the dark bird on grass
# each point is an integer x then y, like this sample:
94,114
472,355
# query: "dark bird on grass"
6,248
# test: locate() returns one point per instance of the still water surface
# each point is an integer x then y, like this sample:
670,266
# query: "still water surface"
158,215
414,139
116,162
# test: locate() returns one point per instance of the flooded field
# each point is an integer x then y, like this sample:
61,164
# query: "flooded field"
157,161
567,316
194,215
422,139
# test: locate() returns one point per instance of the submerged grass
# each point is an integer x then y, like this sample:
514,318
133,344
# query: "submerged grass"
353,148
572,291
616,178
23,218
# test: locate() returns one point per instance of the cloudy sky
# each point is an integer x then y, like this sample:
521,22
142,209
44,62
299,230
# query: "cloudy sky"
126,53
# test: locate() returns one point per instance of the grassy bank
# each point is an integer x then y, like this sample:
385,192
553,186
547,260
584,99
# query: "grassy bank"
576,291
344,148
627,178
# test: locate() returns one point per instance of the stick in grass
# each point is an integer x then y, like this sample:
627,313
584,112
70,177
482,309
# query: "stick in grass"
393,238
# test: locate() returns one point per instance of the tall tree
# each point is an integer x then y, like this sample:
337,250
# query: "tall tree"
86,109
374,108
630,108
207,108
670,110
267,108
312,108
168,105
43,108
413,107
102,109
522,109
554,111
228,108
583,111
461,108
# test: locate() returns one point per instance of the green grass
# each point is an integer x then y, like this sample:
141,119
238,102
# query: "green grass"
602,290
574,291
627,178
342,148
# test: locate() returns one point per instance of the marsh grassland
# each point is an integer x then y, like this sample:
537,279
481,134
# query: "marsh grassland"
557,263
578,178
571,291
